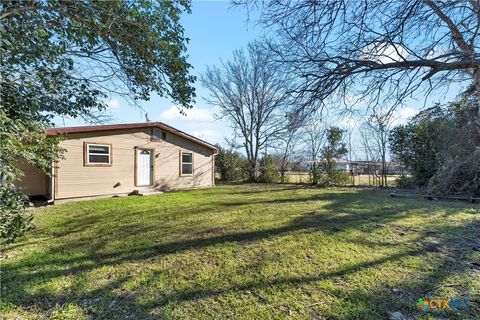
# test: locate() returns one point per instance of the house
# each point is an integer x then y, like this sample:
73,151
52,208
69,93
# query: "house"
342,165
121,158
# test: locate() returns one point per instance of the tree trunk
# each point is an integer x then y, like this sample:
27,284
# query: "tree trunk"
252,172
476,115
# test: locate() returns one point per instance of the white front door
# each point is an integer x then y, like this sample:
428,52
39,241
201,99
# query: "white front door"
144,167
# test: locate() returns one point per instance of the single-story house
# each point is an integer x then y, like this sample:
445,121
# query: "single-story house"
121,158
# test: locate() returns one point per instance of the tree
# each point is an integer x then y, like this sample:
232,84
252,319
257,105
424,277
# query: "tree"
231,165
415,144
65,58
379,124
252,94
349,133
287,150
370,152
333,150
459,170
382,51
440,147
314,138
268,170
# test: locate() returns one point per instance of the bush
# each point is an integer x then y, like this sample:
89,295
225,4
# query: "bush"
268,170
405,182
335,178
458,176
314,174
231,165
342,178
14,221
441,147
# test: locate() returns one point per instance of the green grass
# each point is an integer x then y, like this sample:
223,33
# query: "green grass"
244,251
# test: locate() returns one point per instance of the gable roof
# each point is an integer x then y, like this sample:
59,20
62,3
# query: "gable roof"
111,127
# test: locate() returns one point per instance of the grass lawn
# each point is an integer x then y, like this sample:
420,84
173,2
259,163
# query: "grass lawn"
244,251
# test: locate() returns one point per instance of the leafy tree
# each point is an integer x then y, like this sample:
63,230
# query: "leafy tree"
64,58
459,149
231,165
440,147
417,146
268,170
333,150
14,221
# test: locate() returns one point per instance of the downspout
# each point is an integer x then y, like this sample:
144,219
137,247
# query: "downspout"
52,184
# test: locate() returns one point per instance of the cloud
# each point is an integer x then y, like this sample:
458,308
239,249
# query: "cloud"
385,53
209,135
195,114
402,115
199,122
112,104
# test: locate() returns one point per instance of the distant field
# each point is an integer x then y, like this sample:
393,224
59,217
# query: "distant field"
302,177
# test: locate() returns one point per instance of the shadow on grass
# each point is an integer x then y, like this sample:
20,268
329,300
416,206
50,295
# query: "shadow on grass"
331,219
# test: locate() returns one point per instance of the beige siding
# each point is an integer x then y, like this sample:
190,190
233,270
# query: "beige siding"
76,180
33,182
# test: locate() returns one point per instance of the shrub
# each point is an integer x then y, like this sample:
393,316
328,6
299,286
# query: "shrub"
334,178
441,147
342,178
315,174
231,165
405,182
268,170
14,220
458,176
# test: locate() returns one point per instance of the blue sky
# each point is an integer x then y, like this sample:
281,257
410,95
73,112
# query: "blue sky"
215,29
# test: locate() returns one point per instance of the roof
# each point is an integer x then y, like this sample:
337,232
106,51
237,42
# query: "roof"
112,127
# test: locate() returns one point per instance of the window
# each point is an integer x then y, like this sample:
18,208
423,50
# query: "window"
186,163
158,134
98,154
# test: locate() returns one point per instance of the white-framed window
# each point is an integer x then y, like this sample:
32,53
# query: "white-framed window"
97,154
186,163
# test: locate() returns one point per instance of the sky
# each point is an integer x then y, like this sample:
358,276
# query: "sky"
216,29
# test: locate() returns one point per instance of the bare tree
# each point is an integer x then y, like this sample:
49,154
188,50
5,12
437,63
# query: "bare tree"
371,152
251,93
381,50
348,132
314,139
287,149
380,125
